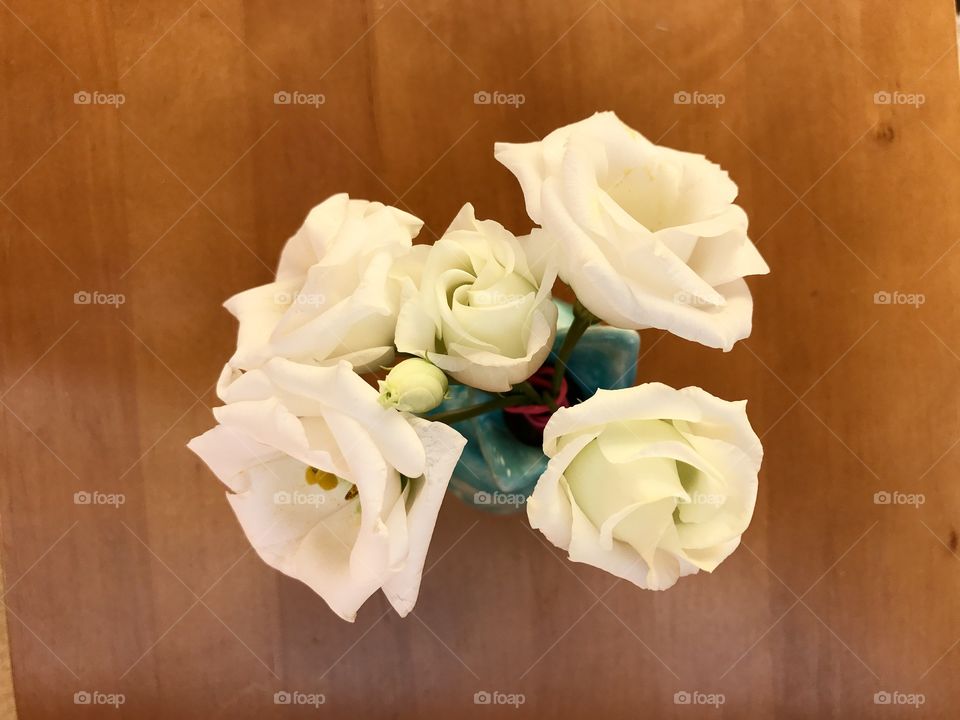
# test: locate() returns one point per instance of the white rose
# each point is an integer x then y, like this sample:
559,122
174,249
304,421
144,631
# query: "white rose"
356,525
647,236
483,312
648,483
337,291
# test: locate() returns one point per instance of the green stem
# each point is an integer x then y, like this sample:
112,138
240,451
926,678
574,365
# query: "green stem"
536,397
452,416
582,319
531,392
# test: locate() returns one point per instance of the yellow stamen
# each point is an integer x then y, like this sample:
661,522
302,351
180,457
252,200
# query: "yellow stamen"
314,476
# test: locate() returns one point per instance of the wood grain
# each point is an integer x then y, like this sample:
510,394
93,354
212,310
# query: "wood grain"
185,193
8,706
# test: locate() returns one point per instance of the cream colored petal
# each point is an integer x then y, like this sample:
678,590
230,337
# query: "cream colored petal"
549,508
342,390
443,446
641,527
465,220
602,488
651,263
322,561
726,420
526,161
311,240
235,385
649,401
709,558
416,330
541,250
494,372
229,452
298,529
717,327
586,547
266,421
259,311
502,325
723,259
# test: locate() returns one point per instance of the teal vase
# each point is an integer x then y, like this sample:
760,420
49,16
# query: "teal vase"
497,471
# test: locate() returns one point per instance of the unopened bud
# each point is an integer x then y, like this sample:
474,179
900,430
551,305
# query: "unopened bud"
414,385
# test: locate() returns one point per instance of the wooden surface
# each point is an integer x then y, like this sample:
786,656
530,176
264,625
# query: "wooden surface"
7,703
185,194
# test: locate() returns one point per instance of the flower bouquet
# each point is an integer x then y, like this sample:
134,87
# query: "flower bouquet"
373,374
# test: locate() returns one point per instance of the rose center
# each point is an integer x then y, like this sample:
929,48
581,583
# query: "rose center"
650,195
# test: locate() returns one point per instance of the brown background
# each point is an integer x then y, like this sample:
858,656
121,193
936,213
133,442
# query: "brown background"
185,194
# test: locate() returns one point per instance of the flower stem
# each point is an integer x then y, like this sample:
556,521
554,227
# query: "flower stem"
531,392
452,416
582,319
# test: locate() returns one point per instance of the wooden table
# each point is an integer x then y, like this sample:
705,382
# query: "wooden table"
184,194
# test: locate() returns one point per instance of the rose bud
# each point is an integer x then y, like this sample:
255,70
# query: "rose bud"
414,385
